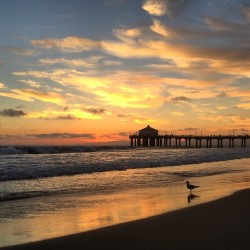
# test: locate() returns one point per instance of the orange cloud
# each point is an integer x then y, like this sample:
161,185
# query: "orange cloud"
30,95
159,28
155,7
2,85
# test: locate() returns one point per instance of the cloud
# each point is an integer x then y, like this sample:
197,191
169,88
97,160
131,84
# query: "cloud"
159,28
31,83
111,89
179,99
114,136
12,94
136,43
155,7
12,113
50,136
123,115
11,137
31,95
73,113
123,134
112,63
95,111
68,44
175,7
222,95
61,136
116,97
143,120
217,24
41,96
244,106
66,117
170,7
2,85
177,113
128,35
246,12
69,62
22,51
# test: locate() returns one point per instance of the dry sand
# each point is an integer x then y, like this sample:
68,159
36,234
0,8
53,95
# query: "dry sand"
222,224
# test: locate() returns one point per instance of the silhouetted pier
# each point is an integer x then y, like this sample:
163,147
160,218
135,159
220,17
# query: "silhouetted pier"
149,137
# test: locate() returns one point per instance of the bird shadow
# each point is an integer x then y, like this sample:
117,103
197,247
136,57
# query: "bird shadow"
191,197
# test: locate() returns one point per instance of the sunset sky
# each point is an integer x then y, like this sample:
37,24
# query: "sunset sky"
87,71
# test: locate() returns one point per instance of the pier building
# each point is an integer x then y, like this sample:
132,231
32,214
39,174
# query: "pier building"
150,137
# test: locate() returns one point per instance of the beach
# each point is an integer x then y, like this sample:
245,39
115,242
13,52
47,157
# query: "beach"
220,224
133,208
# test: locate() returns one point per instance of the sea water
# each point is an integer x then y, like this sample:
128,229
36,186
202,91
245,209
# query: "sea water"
48,194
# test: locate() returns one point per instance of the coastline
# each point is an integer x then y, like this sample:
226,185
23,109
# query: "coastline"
219,224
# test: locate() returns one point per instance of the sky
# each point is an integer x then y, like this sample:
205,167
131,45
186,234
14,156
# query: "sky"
84,71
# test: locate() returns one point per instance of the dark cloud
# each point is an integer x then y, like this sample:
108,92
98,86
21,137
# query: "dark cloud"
179,99
12,113
222,95
61,136
66,117
115,135
61,117
123,133
54,136
175,7
123,115
95,111
20,107
10,137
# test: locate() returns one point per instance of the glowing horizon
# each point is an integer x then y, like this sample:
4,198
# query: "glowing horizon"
82,72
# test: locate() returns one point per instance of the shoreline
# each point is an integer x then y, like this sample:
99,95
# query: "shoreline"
219,224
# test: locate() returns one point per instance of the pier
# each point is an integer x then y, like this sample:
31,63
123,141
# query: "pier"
149,137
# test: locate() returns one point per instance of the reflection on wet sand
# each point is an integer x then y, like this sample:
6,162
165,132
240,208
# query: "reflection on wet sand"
47,217
191,197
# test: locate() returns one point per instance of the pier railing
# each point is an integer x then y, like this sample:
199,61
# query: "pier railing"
169,140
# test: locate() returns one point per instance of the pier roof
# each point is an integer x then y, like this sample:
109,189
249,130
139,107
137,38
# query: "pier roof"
148,128
148,131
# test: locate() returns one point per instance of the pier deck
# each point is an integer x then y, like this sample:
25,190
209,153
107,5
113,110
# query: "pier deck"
137,140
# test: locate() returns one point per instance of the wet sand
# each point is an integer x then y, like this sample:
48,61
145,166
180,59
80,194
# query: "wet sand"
221,224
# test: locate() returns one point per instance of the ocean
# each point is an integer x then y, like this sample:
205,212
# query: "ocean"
104,185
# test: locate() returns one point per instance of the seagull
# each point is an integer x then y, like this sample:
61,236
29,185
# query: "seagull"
190,186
